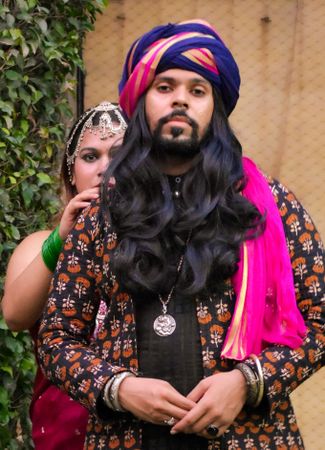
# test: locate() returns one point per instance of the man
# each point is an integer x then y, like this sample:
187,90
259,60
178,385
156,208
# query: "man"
206,333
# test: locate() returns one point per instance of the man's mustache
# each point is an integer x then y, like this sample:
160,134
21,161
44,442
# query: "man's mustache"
177,113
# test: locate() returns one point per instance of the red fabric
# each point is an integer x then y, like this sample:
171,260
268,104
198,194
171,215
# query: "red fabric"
58,422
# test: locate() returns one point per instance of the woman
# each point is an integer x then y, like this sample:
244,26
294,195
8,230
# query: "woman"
57,421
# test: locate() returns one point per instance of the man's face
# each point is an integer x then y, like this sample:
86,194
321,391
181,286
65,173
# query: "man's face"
179,106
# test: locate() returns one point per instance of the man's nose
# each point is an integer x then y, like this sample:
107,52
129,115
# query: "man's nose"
180,98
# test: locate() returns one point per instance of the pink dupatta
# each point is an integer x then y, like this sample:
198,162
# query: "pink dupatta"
266,310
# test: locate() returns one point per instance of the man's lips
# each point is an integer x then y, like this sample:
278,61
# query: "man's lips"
178,120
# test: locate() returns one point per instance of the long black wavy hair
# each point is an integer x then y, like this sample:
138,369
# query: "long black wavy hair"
152,230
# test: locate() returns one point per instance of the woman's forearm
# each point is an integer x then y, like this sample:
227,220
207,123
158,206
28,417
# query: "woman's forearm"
27,284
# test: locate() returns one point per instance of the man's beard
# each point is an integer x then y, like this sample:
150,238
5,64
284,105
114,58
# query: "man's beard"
184,148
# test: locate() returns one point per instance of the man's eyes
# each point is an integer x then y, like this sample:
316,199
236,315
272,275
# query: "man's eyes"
198,92
163,88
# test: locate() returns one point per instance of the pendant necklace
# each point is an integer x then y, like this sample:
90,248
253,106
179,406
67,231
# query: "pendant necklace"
165,324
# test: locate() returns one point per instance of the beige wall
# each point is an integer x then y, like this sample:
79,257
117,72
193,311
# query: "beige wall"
280,117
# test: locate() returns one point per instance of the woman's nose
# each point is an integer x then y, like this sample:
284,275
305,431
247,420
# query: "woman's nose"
103,166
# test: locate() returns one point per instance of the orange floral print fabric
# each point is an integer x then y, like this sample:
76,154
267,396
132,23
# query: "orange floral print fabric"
81,366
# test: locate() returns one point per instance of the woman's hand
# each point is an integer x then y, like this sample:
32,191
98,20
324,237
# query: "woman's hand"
219,399
153,400
73,208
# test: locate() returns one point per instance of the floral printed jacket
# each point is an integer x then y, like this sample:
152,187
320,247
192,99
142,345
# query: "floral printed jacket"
82,367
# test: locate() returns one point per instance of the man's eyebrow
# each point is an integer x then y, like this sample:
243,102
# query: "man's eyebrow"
162,78
199,80
176,80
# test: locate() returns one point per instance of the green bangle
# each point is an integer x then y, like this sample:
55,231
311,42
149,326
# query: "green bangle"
51,249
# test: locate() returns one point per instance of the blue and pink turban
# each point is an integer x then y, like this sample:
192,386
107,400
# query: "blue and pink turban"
193,45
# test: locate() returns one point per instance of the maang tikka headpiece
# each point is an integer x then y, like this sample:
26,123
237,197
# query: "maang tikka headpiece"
104,129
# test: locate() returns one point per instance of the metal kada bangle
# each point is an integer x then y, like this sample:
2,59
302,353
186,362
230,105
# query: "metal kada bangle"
252,382
106,393
114,388
260,377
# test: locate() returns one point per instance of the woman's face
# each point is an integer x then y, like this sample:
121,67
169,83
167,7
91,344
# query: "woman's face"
92,159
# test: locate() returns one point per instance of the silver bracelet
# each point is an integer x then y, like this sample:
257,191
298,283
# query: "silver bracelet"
106,392
252,382
260,377
114,388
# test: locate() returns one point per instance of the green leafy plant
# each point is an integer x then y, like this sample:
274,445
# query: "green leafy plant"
40,43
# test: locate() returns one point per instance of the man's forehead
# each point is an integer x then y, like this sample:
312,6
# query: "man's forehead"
179,75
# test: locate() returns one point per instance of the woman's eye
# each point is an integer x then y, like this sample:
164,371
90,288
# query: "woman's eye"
89,157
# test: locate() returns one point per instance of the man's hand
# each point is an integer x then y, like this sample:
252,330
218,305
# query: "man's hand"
153,400
219,399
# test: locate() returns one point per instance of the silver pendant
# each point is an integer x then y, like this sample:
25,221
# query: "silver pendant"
164,325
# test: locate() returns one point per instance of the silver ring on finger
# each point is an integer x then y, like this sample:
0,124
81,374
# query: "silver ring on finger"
170,422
